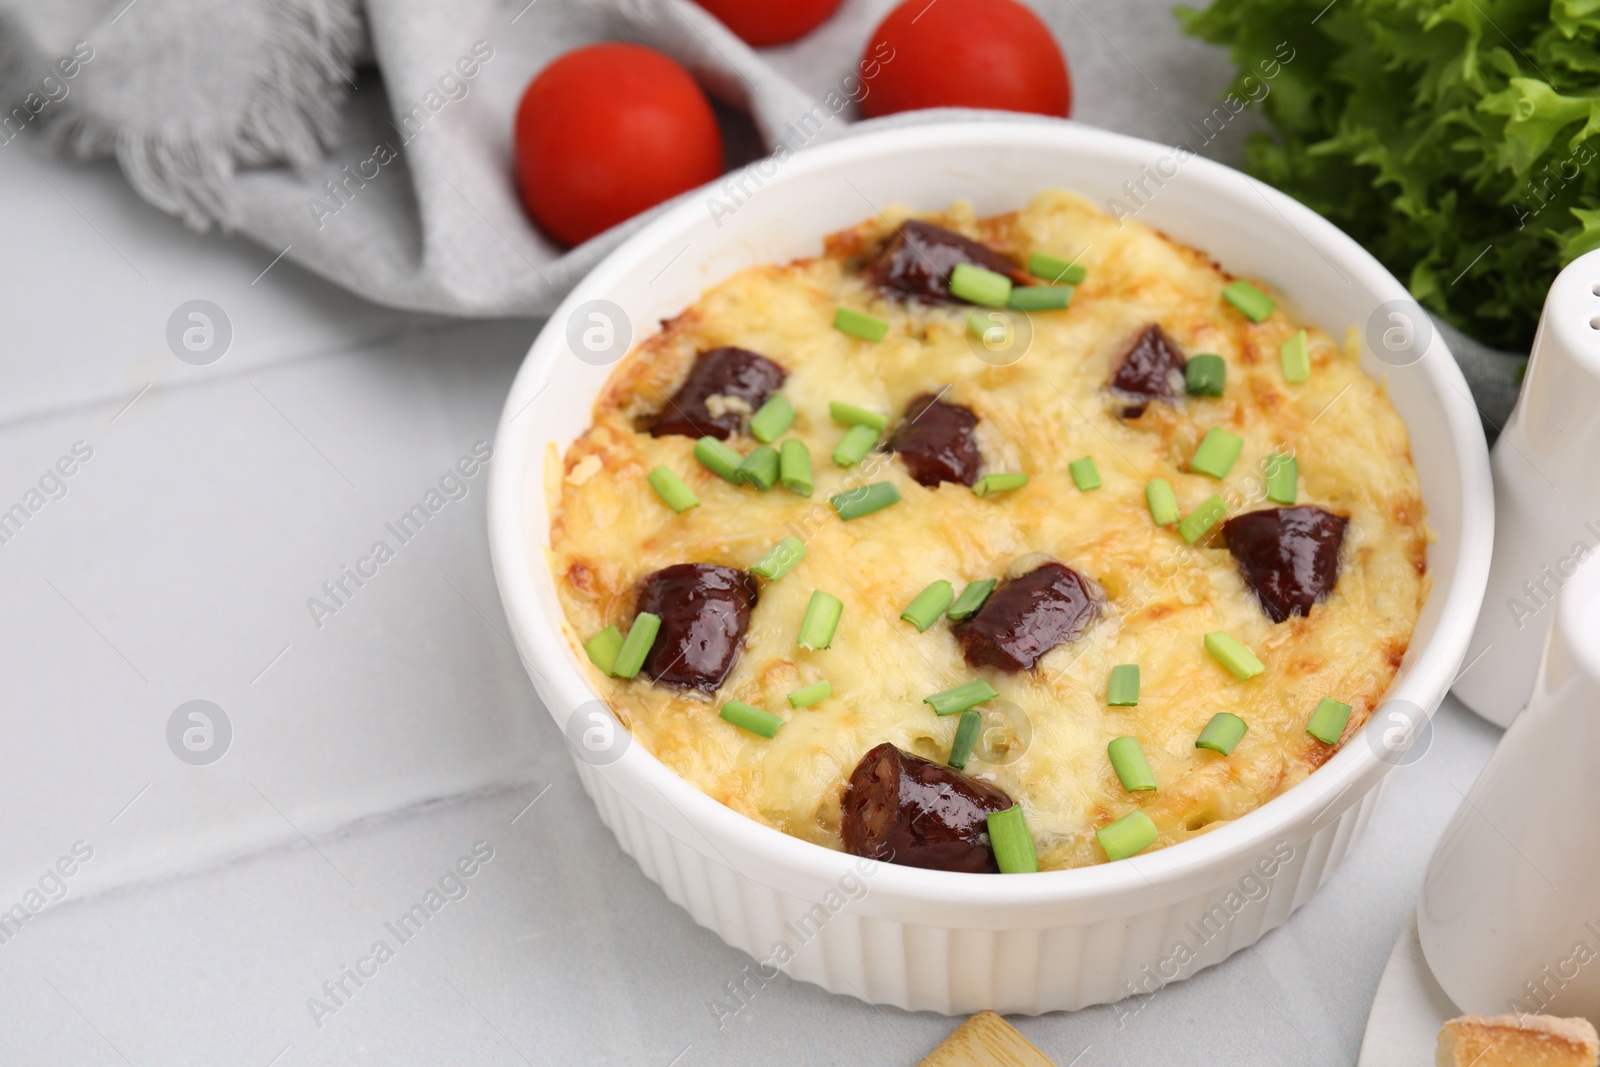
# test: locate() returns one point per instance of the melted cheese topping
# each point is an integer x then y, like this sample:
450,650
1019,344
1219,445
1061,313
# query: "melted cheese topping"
1046,738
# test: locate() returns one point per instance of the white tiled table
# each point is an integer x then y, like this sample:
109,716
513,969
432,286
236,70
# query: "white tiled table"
371,752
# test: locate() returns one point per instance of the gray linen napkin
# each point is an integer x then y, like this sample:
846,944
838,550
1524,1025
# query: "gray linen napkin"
370,142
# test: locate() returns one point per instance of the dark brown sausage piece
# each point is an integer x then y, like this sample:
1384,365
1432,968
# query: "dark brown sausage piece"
903,809
917,261
705,611
1027,617
1289,556
1152,369
936,442
730,372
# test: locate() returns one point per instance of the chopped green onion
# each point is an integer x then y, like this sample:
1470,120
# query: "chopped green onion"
988,328
864,500
1223,733
1296,358
749,718
1042,265
998,483
1199,522
814,693
794,467
780,559
1327,722
860,325
1217,453
1011,841
1205,375
775,416
603,648
1162,500
1128,836
976,285
1122,691
718,458
636,646
924,611
822,619
851,415
856,443
967,731
760,468
1133,770
1252,302
1085,475
961,697
671,489
1283,477
1040,297
971,599
1231,653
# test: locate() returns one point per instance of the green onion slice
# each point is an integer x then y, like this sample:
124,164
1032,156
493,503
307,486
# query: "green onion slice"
1122,690
1085,475
775,416
1128,836
1283,478
998,483
1327,722
760,468
636,646
860,325
961,697
718,458
672,490
1133,770
811,694
1251,302
1011,841
976,285
603,647
971,599
1231,653
967,731
850,415
864,500
746,717
1295,356
822,619
1040,297
925,610
794,467
1217,453
1162,500
1223,733
856,443
1199,522
1056,270
780,559
1205,375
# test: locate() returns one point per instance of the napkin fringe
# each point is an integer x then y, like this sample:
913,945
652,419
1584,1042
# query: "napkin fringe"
308,55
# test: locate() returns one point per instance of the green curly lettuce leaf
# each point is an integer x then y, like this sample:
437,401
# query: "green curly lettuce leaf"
1455,139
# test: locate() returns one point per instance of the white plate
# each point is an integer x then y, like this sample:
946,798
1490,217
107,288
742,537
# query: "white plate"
1403,1028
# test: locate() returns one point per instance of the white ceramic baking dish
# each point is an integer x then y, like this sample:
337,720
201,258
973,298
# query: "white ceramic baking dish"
933,940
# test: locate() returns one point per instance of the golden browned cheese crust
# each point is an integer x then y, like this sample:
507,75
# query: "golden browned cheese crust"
1037,415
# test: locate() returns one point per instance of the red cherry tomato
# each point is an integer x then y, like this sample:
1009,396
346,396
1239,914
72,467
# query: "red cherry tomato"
964,53
607,131
765,22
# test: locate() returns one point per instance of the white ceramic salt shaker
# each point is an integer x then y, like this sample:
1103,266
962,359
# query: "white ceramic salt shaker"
1547,496
1510,910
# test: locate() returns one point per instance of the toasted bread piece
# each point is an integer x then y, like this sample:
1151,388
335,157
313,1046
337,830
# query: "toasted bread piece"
986,1040
1517,1041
